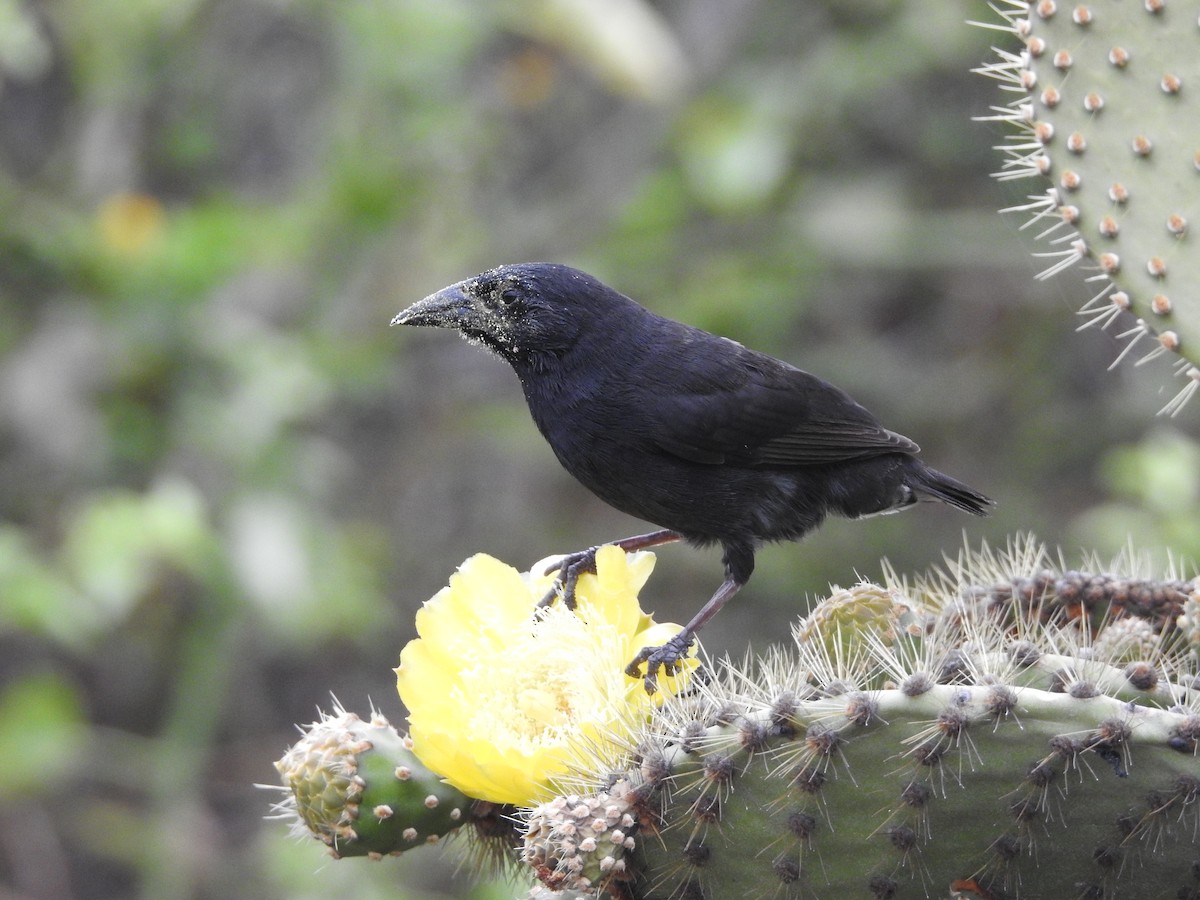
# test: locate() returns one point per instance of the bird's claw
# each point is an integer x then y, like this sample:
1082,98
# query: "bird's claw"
569,568
667,658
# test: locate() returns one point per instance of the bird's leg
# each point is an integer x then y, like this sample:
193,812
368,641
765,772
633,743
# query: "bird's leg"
669,656
571,566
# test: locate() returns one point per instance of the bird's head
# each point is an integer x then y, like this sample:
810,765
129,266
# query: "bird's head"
526,312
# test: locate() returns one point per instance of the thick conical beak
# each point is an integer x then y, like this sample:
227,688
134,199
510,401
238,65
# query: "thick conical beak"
451,307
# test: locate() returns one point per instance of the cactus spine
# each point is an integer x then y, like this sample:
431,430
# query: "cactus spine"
1106,116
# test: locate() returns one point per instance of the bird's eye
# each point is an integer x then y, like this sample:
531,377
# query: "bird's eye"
509,296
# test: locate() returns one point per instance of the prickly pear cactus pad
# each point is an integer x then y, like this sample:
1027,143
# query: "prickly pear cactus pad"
1107,118
919,740
356,786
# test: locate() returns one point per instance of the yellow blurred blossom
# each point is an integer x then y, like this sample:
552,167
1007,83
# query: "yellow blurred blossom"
502,697
130,223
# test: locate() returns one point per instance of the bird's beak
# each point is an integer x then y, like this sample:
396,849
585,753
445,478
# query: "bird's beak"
451,307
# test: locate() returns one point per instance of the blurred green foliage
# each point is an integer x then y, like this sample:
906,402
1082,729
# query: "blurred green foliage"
226,486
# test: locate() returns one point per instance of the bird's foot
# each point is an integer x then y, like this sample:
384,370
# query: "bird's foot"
666,657
569,568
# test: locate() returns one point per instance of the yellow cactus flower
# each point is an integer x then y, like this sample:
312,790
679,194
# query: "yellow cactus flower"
502,697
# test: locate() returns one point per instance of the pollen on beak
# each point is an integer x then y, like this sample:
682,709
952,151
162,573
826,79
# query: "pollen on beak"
448,308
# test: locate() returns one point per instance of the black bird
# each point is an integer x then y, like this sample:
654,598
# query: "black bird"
714,443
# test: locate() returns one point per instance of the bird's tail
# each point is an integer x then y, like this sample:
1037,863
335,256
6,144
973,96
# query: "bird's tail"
930,484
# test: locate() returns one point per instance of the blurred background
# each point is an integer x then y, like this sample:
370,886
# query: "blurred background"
226,485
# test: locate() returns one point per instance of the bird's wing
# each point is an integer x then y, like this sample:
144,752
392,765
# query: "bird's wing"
738,407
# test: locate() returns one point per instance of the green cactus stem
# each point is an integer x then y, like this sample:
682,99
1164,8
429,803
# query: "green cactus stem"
962,750
998,728
893,794
356,786
1106,117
